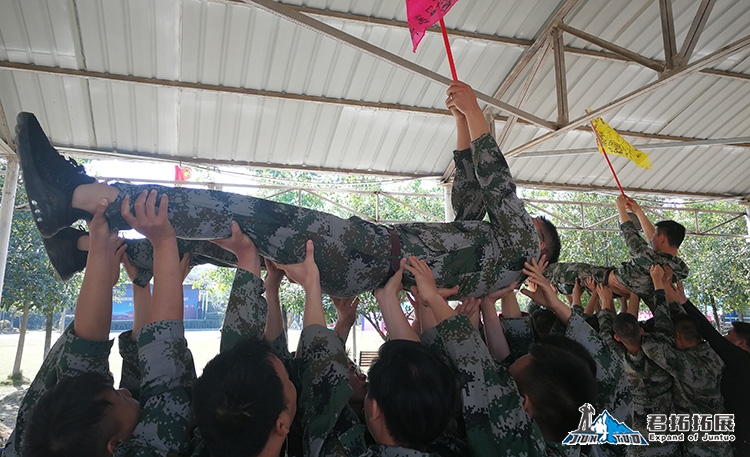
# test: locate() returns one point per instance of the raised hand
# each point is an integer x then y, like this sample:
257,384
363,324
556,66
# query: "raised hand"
155,227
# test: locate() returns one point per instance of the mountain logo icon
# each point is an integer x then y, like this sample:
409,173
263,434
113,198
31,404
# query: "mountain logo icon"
602,429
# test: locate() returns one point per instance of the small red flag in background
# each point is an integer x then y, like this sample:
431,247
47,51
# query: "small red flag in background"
182,173
422,14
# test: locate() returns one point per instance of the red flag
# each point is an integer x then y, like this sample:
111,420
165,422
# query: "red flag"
422,14
182,173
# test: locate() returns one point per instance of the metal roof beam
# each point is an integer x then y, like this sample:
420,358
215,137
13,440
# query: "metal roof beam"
666,79
619,50
296,97
322,28
524,93
696,28
510,41
667,33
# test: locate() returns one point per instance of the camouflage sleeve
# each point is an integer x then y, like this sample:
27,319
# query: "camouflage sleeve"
507,212
638,247
466,196
431,339
519,333
246,311
613,388
89,356
324,389
607,332
496,423
280,347
130,377
83,356
168,376
659,344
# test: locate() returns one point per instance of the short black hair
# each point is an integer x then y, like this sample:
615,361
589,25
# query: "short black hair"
688,327
238,399
416,391
742,330
69,419
544,319
560,377
626,328
674,231
551,240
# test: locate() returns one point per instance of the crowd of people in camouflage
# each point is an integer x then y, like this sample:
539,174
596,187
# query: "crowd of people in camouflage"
463,381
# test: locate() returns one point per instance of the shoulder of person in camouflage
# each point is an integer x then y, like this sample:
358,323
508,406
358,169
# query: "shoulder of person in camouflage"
324,389
466,194
45,379
613,389
519,333
496,423
431,339
246,312
168,375
130,377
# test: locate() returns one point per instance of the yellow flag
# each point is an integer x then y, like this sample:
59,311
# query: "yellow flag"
615,144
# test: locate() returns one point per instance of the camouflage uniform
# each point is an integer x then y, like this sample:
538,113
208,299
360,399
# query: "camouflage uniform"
69,356
650,387
633,274
165,387
696,373
613,392
496,423
354,255
245,317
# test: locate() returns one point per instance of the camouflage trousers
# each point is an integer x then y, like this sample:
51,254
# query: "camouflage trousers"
141,255
563,275
353,256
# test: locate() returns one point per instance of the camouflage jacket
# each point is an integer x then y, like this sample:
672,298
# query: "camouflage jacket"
167,377
650,387
696,371
696,374
496,423
68,357
478,256
634,274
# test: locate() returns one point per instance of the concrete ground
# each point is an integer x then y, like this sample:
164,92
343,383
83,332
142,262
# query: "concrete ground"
204,345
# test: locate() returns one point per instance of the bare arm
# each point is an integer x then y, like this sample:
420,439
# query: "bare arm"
93,314
390,306
167,300
493,329
306,274
346,312
648,227
545,293
275,320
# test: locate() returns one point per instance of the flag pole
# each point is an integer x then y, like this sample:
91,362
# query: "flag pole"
448,50
604,151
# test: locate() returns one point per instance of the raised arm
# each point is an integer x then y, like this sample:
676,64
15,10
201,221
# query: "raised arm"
634,207
93,314
346,315
493,330
167,300
390,306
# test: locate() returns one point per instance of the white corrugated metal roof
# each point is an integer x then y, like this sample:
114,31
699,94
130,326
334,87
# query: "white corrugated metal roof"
230,82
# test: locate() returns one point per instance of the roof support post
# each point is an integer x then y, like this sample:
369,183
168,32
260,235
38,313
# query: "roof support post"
6,212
